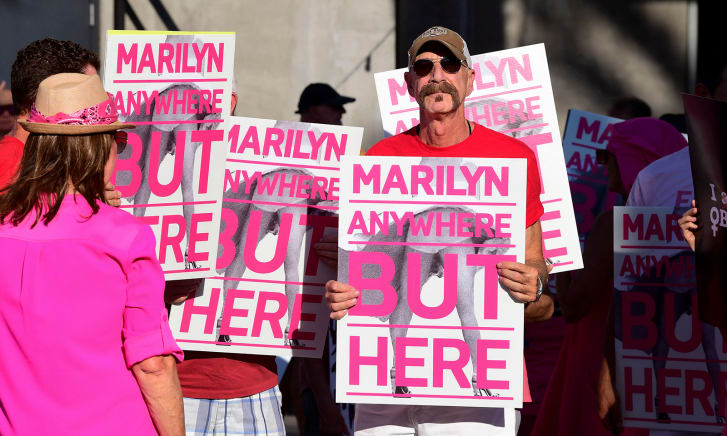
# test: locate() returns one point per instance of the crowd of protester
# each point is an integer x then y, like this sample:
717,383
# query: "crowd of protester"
114,368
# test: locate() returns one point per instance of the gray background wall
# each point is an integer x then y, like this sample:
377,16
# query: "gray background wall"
597,49
23,21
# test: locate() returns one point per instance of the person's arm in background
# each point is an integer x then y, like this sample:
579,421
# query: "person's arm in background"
177,291
577,295
521,279
157,378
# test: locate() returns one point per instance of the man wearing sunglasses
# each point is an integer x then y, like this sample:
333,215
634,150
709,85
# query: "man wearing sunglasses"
440,76
7,112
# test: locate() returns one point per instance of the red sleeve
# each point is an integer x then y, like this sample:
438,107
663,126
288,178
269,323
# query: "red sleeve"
533,206
11,152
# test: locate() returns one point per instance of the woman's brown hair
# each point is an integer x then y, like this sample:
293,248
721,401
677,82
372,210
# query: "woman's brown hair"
49,162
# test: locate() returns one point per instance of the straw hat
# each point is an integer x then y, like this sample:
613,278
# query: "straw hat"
73,104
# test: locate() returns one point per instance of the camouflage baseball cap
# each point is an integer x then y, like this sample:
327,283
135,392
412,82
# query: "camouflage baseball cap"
448,38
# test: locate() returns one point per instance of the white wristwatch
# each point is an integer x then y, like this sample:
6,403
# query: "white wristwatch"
539,292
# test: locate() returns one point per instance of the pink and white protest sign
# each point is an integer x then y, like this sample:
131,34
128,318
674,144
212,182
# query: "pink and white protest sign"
667,361
586,132
512,95
281,193
420,238
176,87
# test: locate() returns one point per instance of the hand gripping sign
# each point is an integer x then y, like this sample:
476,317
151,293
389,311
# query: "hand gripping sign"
421,238
281,189
176,87
512,95
667,361
585,133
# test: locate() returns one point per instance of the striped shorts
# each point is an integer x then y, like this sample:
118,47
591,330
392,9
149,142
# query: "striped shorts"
257,414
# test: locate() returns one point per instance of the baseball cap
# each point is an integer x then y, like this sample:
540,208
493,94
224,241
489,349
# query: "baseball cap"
321,93
447,37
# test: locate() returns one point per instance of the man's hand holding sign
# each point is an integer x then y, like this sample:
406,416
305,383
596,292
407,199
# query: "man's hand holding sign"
522,281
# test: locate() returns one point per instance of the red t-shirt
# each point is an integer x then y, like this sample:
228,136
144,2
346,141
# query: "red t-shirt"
223,376
11,151
483,142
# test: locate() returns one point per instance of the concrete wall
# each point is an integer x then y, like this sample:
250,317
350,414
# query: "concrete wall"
283,45
600,50
597,50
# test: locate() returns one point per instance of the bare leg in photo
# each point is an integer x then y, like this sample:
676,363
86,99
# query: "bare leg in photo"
144,192
292,261
402,314
466,306
190,149
237,268
683,304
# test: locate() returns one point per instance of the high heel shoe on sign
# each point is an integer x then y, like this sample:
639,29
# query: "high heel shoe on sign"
480,392
399,391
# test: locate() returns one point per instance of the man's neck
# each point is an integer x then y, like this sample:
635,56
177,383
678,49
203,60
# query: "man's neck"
443,130
18,132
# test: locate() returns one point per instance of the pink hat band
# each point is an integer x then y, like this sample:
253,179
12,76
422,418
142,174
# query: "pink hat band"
100,114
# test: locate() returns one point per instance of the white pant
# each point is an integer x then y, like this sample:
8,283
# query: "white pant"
394,420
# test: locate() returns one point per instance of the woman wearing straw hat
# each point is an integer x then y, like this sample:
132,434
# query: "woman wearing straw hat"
86,348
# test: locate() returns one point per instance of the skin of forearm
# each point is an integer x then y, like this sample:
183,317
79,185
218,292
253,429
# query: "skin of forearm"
543,308
539,264
157,378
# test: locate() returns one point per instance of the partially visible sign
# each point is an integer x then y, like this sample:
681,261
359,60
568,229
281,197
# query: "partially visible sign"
512,95
176,87
281,194
585,133
667,361
707,124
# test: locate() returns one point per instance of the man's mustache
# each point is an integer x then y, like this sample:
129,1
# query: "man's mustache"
445,87
433,88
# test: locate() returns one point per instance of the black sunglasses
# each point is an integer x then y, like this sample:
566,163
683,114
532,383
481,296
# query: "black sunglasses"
121,141
423,67
602,156
7,107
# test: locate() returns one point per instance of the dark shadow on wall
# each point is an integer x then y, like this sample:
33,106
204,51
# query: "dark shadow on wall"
22,22
644,35
712,43
561,25
479,22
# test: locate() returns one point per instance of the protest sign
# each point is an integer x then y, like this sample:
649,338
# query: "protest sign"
420,238
707,125
667,361
176,88
281,190
512,94
585,133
